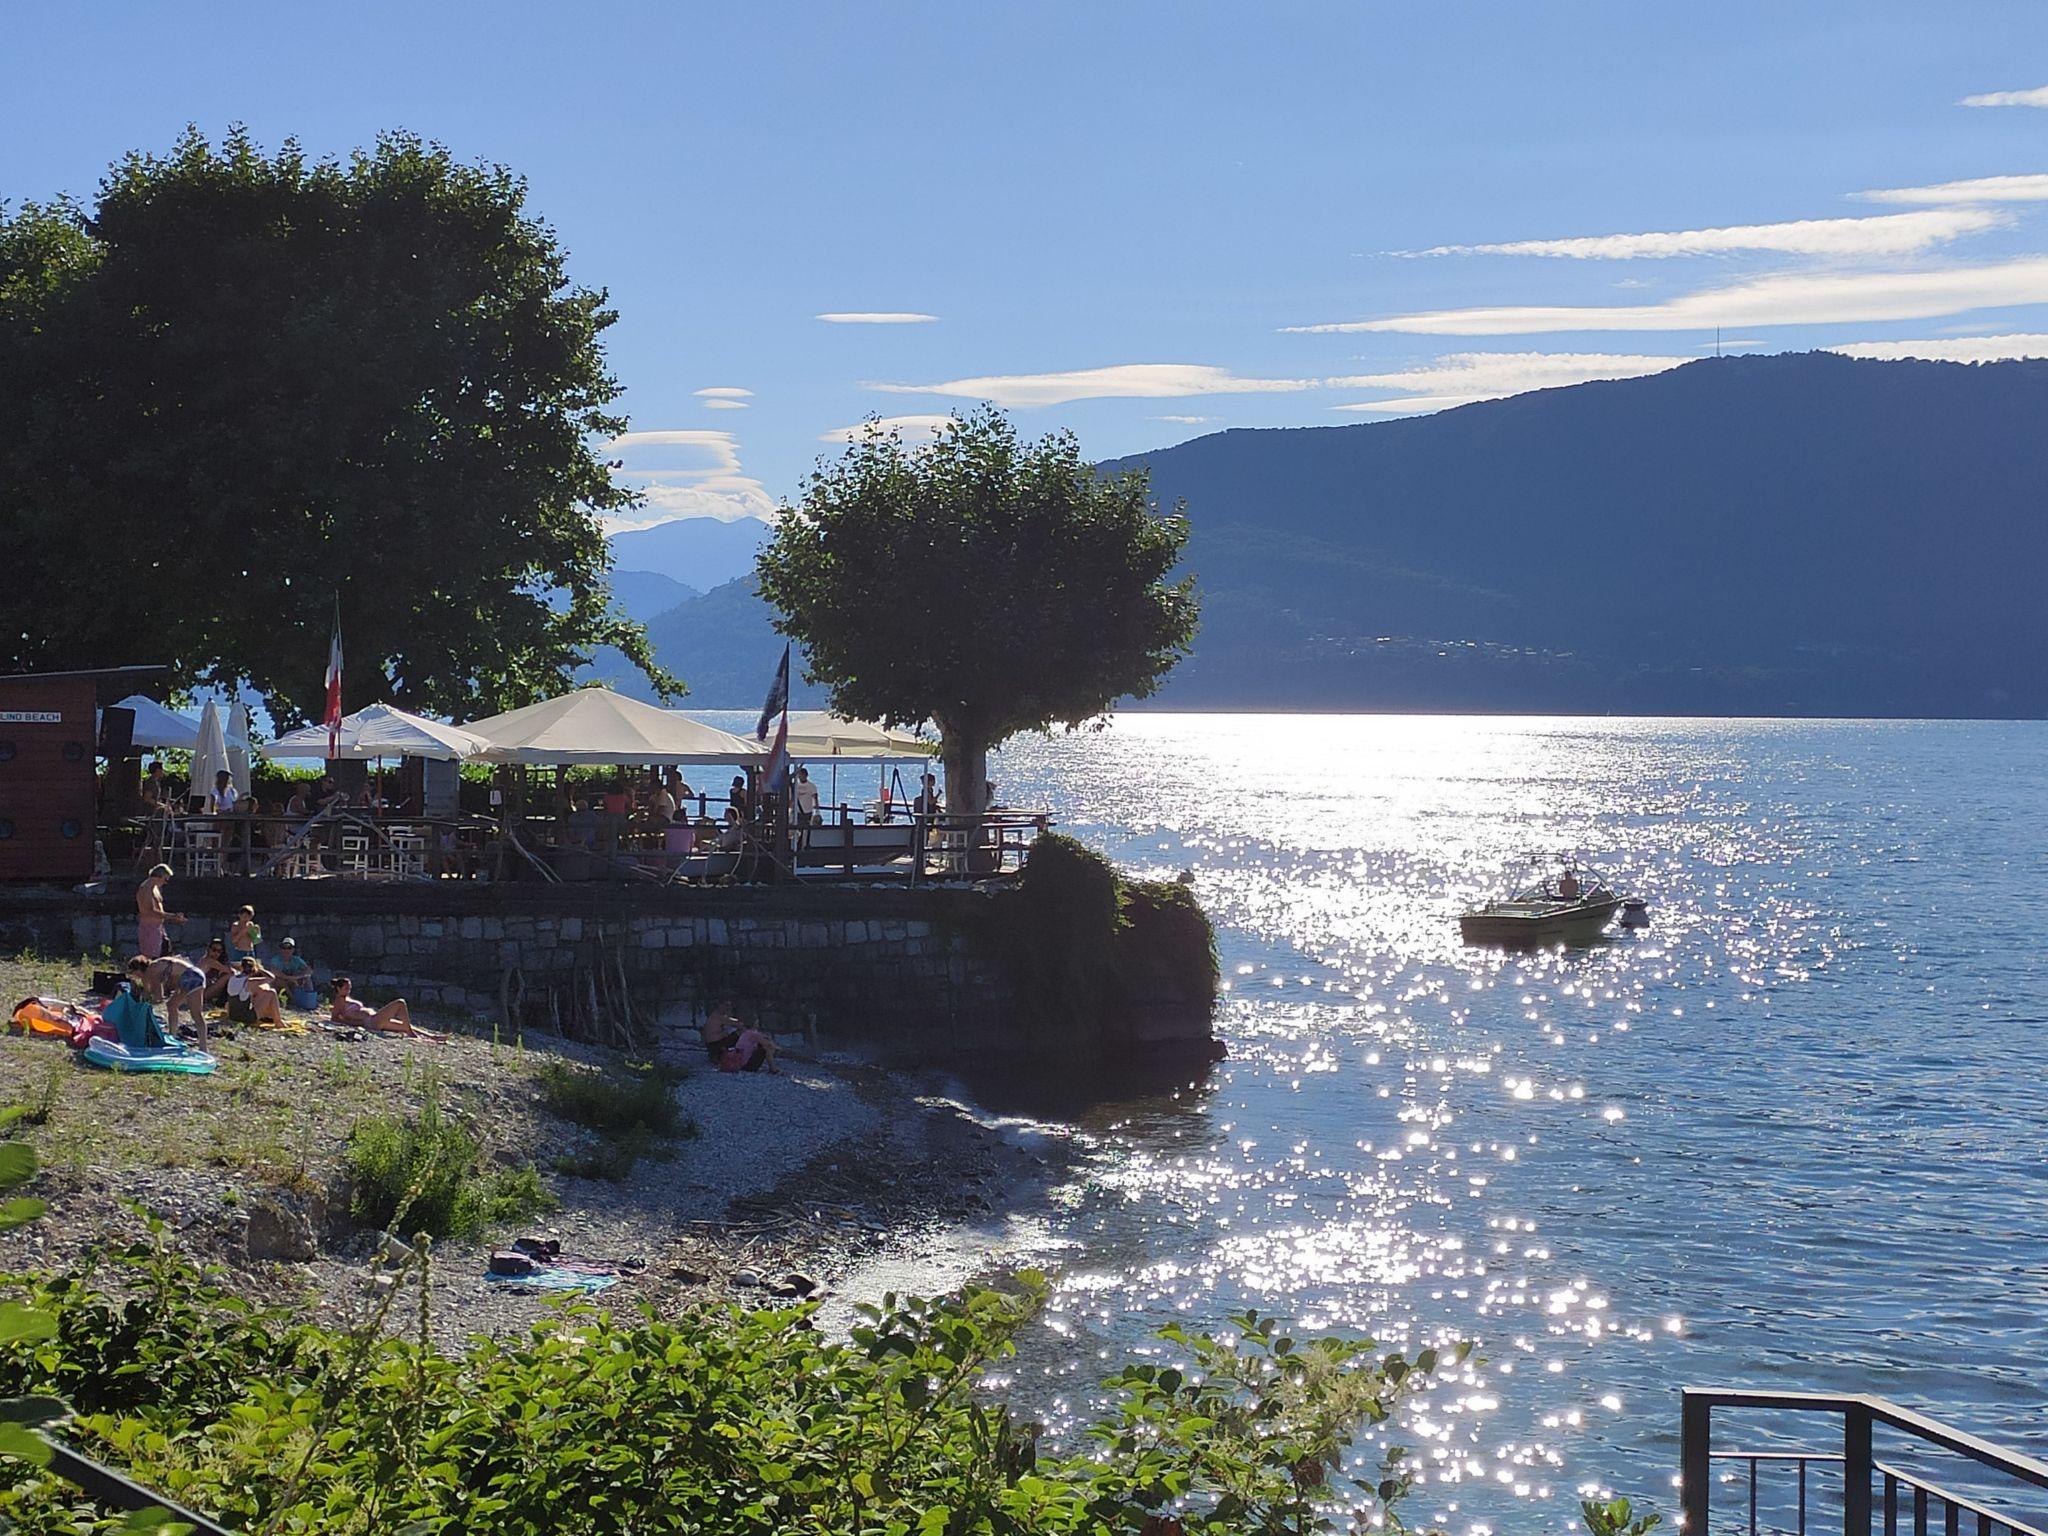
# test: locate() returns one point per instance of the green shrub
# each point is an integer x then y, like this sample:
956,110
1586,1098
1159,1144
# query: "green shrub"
424,1174
632,1109
716,1422
1166,943
1058,926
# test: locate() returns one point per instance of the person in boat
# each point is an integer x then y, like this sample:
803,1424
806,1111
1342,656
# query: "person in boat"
1568,884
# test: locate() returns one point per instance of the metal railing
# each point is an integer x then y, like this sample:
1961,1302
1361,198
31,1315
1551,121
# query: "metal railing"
1853,1479
116,1491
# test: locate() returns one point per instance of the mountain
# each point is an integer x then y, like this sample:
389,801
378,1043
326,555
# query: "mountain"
723,644
1796,534
699,552
645,595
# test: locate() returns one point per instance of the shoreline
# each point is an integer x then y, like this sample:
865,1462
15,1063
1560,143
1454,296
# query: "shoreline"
792,1186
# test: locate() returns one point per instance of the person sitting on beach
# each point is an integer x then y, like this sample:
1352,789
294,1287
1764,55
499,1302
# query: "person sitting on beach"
256,990
294,973
753,1051
243,935
214,966
720,1031
150,916
394,1018
175,982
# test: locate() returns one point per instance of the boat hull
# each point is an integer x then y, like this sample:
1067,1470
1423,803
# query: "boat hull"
1526,925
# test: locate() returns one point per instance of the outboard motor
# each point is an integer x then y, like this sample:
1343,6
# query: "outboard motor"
1635,913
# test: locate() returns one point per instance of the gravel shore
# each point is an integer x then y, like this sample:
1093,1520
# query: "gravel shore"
791,1183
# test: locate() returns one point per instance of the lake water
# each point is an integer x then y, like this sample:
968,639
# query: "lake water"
1789,1137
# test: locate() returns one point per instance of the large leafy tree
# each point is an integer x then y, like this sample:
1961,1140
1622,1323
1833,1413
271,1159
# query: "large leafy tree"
987,585
242,385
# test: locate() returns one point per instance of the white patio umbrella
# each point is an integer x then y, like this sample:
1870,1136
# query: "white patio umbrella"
157,727
381,730
210,753
237,734
594,726
820,733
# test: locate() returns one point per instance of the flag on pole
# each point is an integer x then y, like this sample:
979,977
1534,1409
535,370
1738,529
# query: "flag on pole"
777,704
333,717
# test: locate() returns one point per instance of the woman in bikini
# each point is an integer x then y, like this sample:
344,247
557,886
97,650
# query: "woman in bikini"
394,1018
175,982
254,985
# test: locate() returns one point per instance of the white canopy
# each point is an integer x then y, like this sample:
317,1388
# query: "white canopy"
597,726
382,731
210,755
819,733
156,726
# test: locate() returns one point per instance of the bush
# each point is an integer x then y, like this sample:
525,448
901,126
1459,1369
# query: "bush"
425,1175
632,1109
717,1422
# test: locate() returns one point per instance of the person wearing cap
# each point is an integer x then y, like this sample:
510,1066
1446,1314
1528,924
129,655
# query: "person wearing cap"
295,976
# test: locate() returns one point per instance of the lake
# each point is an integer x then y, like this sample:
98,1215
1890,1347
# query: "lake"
1790,1136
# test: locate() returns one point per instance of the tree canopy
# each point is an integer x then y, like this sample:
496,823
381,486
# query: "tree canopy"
988,585
242,384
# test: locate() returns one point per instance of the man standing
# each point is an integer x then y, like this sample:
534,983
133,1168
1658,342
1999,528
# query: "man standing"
806,795
150,916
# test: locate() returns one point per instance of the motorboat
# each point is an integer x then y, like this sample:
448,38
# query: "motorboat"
1568,904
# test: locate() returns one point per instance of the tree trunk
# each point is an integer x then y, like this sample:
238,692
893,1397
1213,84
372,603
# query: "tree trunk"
965,755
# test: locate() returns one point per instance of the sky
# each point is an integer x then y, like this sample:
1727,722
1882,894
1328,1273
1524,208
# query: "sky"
1144,222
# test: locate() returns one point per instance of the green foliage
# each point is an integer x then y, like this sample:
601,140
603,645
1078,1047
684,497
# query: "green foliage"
1168,944
987,585
716,1422
424,1174
258,380
631,1107
1615,1518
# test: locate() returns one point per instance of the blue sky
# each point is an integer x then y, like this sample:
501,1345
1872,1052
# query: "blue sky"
1146,221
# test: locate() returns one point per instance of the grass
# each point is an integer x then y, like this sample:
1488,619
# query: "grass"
425,1174
632,1110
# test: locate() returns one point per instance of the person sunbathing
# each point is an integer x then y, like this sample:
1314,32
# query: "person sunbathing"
257,988
214,966
394,1018
720,1031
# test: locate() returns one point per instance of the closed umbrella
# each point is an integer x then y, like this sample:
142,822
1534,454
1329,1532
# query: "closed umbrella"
210,753
237,734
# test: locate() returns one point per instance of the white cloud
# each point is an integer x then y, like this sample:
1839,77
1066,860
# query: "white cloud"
1954,349
1825,298
876,317
913,428
2037,97
1133,381
1883,234
720,403
1462,377
2031,188
1186,421
724,392
685,472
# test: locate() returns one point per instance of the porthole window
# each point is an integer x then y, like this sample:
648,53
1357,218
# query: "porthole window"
73,751
70,827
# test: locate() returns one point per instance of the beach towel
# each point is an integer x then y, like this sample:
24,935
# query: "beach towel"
134,1021
42,1016
555,1278
118,1057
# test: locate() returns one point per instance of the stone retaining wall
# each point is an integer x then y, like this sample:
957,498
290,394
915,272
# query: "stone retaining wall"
904,975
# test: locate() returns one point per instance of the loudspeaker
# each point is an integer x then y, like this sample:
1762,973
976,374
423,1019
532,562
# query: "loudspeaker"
117,732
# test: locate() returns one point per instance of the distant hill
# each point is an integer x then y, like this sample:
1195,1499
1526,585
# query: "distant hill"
645,595
723,644
1798,534
699,552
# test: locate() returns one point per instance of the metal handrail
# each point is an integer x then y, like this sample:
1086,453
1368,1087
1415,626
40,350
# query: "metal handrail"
1860,1413
116,1491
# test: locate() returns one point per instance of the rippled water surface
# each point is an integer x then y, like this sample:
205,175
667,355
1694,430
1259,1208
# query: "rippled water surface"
1790,1137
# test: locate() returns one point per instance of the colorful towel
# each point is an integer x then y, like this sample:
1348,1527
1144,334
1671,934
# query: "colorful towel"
558,1278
